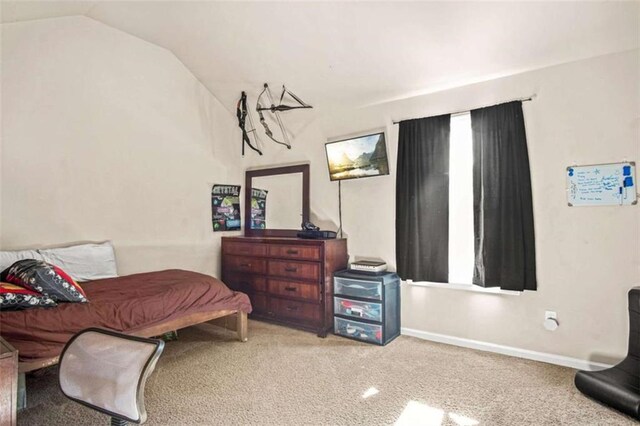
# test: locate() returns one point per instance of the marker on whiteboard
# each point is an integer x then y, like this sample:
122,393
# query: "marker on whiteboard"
620,191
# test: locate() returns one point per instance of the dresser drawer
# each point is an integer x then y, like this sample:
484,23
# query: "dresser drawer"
259,303
295,289
298,270
245,283
245,249
283,308
295,252
246,264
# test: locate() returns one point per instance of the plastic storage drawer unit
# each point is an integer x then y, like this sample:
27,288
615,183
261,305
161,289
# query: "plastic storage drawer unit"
366,306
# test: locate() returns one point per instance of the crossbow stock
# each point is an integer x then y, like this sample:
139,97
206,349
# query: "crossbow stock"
276,110
243,113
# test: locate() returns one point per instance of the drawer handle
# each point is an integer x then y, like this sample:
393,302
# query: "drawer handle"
291,251
291,269
290,288
245,265
292,308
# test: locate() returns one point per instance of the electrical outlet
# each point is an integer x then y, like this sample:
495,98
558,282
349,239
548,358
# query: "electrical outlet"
550,320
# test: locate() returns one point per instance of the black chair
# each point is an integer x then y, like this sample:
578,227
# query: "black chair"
619,386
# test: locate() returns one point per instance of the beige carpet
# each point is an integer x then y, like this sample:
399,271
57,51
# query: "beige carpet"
287,377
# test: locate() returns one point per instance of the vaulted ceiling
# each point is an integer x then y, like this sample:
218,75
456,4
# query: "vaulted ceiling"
359,53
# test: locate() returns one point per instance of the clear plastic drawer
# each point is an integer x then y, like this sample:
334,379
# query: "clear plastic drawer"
358,330
358,288
353,308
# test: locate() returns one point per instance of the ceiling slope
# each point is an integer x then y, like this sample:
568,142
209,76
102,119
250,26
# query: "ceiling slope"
358,53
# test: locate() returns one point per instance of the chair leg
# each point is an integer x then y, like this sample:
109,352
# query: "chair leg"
117,422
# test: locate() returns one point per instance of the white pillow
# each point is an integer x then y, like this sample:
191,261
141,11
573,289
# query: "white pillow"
8,258
84,262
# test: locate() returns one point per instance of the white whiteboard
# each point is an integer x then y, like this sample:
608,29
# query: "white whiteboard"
602,185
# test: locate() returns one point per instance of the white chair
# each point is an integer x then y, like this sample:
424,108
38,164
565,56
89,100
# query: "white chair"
107,371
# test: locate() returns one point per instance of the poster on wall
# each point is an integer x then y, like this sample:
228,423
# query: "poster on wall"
258,208
225,207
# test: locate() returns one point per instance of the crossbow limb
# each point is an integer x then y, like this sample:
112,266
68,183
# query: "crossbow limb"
282,107
243,113
276,113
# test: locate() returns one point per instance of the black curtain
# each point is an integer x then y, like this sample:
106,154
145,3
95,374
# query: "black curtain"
503,210
422,199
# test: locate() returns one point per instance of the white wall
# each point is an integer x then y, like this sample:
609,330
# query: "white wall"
106,136
585,112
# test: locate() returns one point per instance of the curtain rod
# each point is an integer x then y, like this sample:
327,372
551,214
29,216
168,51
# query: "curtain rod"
530,98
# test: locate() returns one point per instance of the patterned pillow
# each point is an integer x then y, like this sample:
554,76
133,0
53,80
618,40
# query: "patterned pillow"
14,298
46,279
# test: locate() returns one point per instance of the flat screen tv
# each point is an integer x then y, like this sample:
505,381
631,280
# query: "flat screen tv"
359,157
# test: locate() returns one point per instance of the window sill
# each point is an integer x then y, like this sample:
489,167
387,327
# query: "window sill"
463,287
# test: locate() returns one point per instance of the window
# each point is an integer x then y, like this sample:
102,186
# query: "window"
461,235
464,209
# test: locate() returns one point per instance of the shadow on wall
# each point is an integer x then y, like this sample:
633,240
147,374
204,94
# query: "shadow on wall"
200,257
325,223
52,246
608,359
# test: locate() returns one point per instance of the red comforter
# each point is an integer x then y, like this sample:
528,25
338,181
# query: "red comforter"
126,304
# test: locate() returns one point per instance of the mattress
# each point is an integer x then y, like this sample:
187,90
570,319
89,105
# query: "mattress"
126,304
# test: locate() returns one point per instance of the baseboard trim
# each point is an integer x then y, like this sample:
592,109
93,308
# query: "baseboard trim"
565,361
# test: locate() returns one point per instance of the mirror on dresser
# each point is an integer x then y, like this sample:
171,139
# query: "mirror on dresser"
276,201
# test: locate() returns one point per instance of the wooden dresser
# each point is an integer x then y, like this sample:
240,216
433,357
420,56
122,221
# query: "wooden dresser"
289,280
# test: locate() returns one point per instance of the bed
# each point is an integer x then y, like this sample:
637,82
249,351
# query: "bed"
146,305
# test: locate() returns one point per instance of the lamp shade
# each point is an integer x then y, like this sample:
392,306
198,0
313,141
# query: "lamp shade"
107,371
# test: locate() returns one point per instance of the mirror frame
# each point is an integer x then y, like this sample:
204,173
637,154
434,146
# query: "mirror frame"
285,170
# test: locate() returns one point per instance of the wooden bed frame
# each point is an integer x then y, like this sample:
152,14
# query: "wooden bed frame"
157,330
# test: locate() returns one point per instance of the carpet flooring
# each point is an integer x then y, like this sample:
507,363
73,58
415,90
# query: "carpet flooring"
287,377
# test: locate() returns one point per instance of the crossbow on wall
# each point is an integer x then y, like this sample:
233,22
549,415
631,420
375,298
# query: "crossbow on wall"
244,116
276,110
242,113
